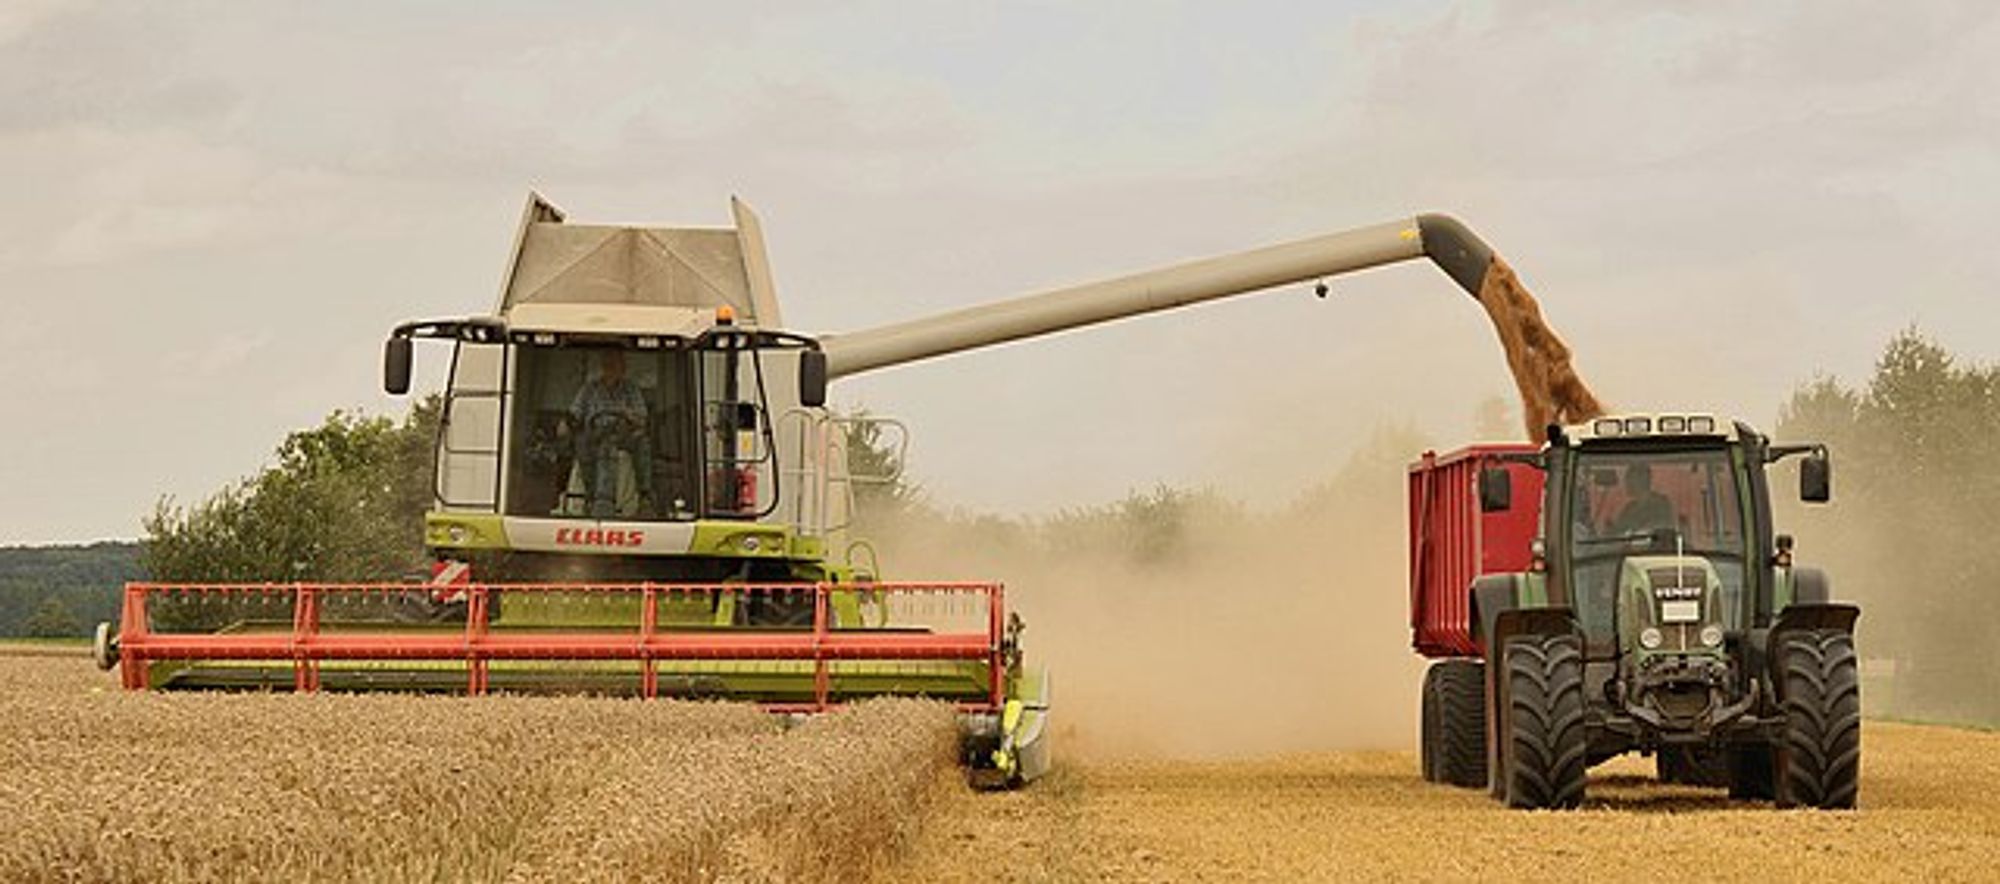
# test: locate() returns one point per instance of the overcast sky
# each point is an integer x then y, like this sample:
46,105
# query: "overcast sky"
213,212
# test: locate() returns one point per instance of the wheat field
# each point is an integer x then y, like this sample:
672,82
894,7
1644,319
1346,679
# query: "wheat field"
97,784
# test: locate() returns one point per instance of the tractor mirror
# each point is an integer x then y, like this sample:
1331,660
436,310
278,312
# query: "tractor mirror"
396,366
1816,478
1496,490
812,378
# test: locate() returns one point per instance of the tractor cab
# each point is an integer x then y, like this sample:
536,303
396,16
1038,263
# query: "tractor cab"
1657,530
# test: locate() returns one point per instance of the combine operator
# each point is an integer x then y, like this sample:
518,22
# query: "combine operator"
610,416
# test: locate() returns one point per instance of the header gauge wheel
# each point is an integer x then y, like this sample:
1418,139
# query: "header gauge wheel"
104,647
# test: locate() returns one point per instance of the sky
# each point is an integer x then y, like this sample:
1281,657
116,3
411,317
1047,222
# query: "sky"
213,212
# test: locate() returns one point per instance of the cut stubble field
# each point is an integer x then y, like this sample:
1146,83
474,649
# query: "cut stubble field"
98,784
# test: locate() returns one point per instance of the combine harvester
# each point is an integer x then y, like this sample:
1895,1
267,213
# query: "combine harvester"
640,492
1621,589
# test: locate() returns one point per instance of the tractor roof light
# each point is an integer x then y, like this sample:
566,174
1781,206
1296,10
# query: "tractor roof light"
1638,425
1701,425
1607,427
1673,424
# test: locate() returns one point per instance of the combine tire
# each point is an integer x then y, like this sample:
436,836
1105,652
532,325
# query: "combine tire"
1819,762
1544,728
1454,726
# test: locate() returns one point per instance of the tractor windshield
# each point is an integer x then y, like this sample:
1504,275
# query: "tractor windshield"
1653,503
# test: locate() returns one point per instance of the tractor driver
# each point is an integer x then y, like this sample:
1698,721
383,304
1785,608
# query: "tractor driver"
610,417
1645,509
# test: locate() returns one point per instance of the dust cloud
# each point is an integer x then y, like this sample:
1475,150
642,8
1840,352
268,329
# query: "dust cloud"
1551,391
1203,630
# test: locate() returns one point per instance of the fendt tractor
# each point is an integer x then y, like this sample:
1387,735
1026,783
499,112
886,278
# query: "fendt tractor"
640,491
1620,589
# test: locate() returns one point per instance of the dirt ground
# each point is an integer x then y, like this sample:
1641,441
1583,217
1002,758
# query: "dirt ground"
1930,811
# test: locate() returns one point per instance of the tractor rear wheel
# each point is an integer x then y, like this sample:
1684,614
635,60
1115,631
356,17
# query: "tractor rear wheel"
1454,725
1819,762
1544,726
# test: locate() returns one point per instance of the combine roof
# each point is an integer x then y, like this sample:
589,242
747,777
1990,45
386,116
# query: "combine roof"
556,263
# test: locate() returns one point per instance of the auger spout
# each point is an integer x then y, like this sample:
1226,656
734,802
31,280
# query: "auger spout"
1453,246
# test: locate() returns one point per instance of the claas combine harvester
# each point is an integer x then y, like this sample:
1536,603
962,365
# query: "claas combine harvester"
639,491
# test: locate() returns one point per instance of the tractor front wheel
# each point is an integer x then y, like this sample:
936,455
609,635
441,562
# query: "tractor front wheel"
1454,723
1819,762
1544,761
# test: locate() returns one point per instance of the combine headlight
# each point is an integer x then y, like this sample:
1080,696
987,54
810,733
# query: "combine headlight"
1711,635
1607,428
1650,638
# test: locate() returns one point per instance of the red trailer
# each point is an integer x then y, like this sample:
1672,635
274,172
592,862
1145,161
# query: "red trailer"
1452,542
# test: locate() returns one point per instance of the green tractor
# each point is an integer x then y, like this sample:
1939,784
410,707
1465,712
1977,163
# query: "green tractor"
1657,612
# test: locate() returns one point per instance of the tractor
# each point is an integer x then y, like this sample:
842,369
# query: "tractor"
1621,589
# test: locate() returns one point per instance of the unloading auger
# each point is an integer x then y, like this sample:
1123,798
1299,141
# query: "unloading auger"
639,491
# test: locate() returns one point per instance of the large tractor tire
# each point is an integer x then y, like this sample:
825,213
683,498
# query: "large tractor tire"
1543,724
1819,762
1454,725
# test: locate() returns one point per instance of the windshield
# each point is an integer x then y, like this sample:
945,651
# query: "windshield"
1653,503
602,432
660,433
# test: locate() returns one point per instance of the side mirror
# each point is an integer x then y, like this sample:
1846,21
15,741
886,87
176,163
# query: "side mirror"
1496,490
812,378
396,366
1816,478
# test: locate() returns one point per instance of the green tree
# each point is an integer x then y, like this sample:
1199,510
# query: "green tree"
343,502
1914,450
52,619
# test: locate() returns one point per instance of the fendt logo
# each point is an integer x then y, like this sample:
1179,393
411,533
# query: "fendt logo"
599,537
1676,593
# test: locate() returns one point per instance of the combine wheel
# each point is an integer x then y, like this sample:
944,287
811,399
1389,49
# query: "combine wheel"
1544,761
1454,725
1819,762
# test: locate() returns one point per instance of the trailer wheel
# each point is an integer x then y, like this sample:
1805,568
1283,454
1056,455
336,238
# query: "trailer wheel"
1750,774
1819,762
1544,727
1454,725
